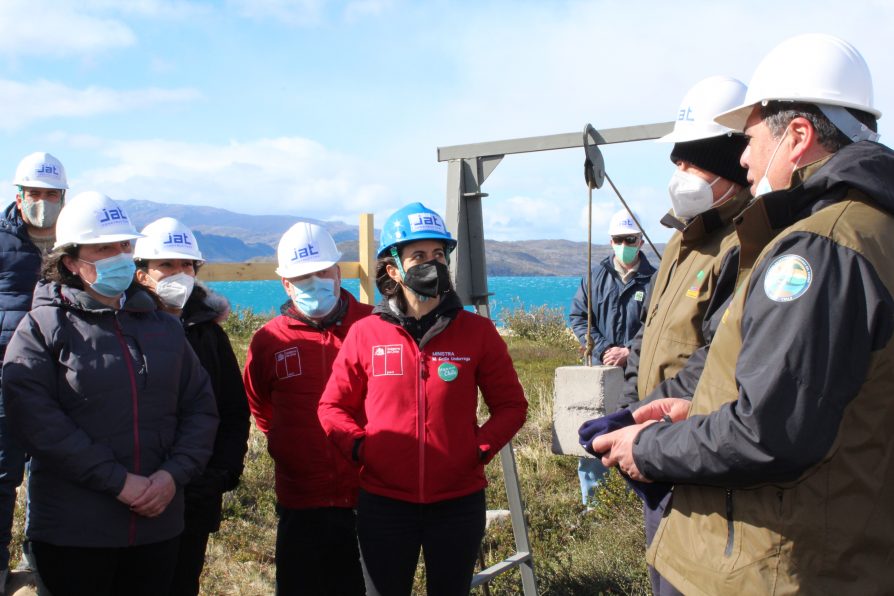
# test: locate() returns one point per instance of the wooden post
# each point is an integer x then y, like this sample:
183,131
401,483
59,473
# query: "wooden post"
367,256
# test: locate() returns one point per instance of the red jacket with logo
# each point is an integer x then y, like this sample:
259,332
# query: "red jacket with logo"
286,369
422,442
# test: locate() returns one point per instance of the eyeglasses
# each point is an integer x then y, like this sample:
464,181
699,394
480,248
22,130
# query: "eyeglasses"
629,240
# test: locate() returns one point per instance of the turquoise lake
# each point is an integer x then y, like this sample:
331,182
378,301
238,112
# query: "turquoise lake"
508,293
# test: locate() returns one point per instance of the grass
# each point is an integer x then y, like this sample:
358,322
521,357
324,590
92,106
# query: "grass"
575,552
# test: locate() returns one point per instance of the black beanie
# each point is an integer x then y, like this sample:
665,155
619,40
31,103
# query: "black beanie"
718,155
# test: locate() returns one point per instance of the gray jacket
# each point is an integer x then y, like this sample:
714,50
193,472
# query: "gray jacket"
95,393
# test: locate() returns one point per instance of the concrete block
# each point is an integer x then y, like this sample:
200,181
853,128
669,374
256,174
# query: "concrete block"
579,395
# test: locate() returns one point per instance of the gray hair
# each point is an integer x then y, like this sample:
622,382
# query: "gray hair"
779,114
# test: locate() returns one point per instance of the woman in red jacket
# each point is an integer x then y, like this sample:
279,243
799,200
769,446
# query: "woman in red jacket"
402,402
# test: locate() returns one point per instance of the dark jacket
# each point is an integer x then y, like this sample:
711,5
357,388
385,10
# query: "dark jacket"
19,270
212,346
93,394
616,306
784,469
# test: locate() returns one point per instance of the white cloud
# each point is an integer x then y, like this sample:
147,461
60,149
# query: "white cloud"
286,175
45,28
27,103
299,13
359,9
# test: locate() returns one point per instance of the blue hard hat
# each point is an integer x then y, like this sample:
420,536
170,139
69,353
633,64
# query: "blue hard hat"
411,223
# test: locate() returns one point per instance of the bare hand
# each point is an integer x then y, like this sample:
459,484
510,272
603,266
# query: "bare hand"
617,449
615,356
676,408
157,497
134,487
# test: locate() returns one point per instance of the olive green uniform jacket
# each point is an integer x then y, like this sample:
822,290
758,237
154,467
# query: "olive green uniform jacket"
784,470
696,276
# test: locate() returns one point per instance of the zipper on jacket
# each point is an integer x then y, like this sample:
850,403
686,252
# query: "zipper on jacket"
420,417
730,532
132,533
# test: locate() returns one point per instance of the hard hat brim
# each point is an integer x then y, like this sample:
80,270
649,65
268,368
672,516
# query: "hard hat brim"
736,117
101,240
305,268
39,184
169,254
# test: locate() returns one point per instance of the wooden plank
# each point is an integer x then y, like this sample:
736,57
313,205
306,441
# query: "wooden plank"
367,264
261,271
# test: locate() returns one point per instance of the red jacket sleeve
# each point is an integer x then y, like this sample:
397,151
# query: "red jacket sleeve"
503,394
341,405
257,383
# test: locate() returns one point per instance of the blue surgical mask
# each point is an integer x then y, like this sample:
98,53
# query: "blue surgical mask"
113,275
314,296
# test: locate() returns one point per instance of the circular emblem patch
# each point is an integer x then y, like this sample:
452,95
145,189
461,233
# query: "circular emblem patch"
447,371
788,278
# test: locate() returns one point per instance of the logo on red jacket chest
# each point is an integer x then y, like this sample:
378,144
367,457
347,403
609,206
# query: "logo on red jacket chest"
288,363
387,360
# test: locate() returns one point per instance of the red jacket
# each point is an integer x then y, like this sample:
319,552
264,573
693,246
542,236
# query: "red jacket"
422,442
286,369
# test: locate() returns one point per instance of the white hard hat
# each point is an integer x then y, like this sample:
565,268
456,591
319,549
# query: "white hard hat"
167,238
811,68
93,218
706,99
305,248
622,224
41,170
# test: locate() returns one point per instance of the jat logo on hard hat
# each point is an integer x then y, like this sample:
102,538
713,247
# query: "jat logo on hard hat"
306,252
426,222
180,239
110,216
686,114
47,169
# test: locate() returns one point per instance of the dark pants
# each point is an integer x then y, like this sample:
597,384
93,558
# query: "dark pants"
12,471
144,570
317,553
660,586
392,532
190,561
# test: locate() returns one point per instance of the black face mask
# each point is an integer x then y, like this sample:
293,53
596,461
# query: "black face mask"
428,279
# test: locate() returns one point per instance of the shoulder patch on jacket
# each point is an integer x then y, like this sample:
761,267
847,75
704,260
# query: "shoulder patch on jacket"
288,363
387,360
787,278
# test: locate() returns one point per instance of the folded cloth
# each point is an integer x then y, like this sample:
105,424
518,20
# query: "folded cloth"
650,492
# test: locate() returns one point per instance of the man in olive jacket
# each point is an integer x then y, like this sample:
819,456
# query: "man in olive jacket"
784,463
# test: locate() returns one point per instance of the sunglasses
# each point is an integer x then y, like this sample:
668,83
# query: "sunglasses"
629,240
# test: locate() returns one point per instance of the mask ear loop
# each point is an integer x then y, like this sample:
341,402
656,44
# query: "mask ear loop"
400,266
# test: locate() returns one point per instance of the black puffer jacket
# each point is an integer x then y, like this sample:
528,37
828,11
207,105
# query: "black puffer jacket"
93,394
19,271
211,344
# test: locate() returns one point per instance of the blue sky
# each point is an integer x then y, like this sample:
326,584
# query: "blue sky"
327,109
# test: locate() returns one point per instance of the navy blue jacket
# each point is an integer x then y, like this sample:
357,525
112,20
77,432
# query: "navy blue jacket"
616,306
19,270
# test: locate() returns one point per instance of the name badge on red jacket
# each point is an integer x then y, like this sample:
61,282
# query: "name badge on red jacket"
388,360
288,363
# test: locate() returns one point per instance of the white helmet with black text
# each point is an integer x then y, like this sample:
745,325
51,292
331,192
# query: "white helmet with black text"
305,248
40,170
167,238
93,218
